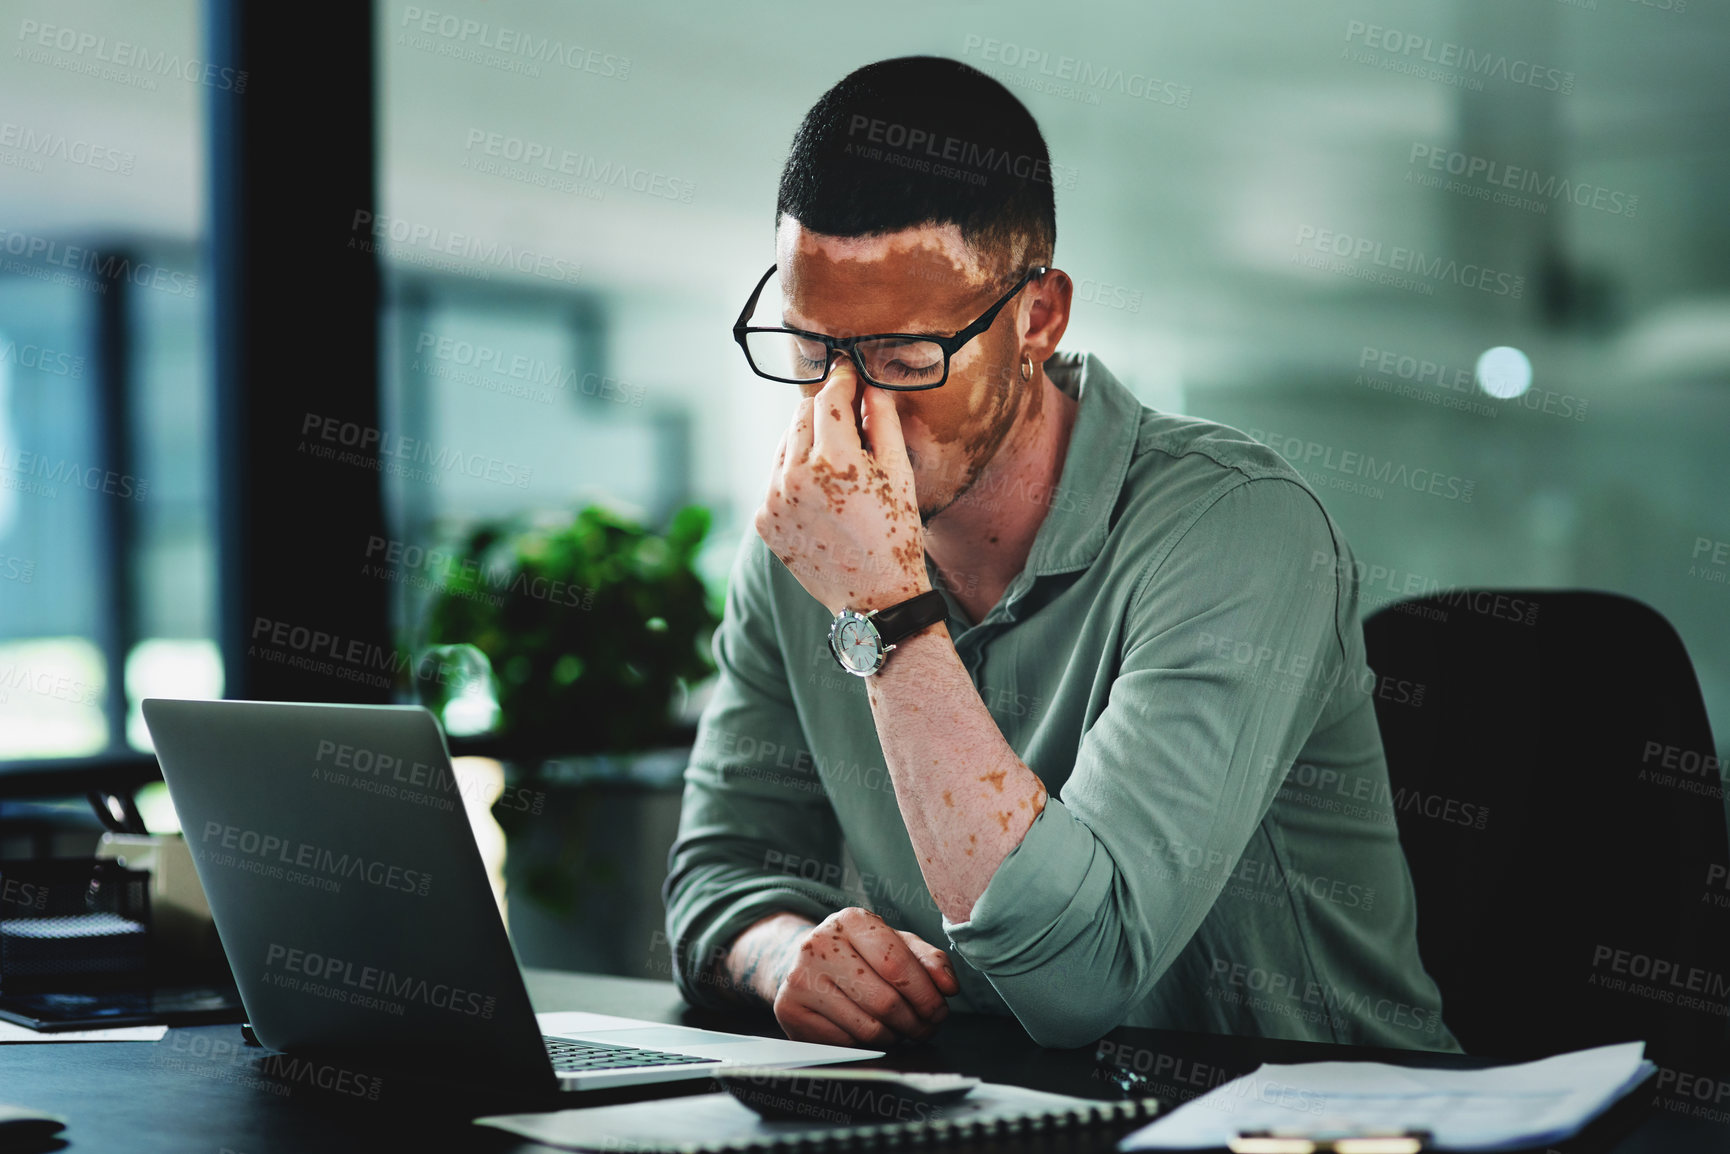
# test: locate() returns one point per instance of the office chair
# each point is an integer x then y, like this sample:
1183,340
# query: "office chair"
1593,904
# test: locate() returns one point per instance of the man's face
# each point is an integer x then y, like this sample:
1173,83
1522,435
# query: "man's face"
919,280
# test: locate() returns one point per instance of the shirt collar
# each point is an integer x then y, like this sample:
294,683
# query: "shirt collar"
1101,446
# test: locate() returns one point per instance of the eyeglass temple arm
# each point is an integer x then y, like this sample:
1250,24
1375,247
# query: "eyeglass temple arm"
985,321
745,313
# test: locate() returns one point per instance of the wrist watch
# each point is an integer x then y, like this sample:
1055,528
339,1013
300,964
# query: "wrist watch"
861,641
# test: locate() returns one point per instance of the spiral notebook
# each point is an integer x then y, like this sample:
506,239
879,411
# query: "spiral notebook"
709,1123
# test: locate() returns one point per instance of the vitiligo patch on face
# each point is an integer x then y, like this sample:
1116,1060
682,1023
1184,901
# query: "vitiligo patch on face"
936,251
921,279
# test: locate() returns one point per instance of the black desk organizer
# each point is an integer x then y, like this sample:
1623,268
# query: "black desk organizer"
72,923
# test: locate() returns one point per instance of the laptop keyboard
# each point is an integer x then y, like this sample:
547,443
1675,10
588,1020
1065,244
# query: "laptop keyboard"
569,1055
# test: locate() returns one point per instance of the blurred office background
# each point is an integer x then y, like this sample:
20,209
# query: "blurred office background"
1243,186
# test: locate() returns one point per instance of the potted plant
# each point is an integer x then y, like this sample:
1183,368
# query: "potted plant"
585,633
590,627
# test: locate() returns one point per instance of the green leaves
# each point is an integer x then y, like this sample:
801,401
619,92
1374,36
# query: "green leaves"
590,626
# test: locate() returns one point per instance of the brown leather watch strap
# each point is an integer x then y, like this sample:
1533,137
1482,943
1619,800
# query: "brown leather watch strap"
899,622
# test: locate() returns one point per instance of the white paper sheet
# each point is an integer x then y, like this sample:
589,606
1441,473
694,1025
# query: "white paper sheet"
12,1032
1501,1108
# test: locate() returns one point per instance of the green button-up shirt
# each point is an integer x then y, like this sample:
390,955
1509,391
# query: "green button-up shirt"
1181,662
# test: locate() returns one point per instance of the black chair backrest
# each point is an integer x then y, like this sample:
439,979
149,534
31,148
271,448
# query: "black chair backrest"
1562,810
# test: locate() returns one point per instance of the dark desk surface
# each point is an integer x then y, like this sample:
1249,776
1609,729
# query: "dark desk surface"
199,1089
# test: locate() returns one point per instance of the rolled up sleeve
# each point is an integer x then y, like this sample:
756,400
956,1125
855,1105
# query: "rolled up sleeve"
1230,649
754,811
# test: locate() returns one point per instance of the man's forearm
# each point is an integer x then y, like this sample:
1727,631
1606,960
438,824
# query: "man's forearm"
751,970
966,798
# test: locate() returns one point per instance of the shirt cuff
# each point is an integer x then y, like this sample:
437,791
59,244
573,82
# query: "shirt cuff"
1047,892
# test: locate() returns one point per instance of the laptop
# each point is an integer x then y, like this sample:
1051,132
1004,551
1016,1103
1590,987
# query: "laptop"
350,897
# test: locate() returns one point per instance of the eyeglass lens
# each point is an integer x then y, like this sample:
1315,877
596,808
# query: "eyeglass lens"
893,361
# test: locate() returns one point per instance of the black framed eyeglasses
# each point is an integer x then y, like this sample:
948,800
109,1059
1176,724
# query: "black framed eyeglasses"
905,362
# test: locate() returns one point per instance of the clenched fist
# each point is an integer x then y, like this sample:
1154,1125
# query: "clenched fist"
850,980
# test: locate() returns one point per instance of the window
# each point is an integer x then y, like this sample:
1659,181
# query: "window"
106,527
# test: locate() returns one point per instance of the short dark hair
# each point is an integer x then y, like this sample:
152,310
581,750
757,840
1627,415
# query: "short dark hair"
921,140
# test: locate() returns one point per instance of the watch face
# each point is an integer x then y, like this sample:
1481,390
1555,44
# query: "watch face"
856,645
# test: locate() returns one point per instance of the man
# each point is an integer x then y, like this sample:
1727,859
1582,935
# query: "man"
1114,631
